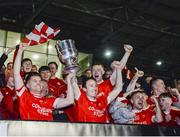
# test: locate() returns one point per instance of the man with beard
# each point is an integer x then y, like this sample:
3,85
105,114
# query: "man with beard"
120,109
144,113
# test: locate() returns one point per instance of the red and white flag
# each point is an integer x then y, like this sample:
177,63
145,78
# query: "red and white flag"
40,34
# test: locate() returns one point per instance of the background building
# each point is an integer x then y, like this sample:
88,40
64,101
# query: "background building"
41,54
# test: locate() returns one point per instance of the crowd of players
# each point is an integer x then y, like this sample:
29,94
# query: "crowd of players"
97,96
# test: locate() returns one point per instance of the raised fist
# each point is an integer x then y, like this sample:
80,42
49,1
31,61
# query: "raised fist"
71,77
8,50
174,91
116,65
139,73
128,48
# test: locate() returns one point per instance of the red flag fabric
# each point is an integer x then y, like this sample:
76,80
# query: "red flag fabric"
40,34
129,74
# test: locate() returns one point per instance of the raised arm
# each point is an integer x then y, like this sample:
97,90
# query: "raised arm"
118,85
132,84
69,100
157,118
17,67
76,90
128,49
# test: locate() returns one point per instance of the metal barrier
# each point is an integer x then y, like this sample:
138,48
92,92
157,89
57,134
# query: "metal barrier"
43,128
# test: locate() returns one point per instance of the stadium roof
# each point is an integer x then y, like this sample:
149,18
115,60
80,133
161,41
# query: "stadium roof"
151,26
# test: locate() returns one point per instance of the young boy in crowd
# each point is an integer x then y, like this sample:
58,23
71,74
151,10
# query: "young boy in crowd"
26,66
32,105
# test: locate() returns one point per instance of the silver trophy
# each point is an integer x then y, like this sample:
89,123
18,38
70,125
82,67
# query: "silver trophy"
68,55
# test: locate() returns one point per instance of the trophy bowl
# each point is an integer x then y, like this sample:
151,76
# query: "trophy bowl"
68,55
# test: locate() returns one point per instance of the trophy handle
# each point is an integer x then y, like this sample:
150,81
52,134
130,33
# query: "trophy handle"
74,60
59,53
62,61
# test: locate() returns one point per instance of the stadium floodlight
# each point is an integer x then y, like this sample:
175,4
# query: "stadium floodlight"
108,53
158,63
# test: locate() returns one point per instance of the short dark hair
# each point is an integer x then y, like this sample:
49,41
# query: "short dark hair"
108,69
165,95
54,64
26,59
44,68
9,63
85,81
29,75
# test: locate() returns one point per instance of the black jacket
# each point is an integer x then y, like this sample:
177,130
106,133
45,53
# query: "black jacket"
2,75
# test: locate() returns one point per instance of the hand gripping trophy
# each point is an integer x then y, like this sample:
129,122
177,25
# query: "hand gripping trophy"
68,55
